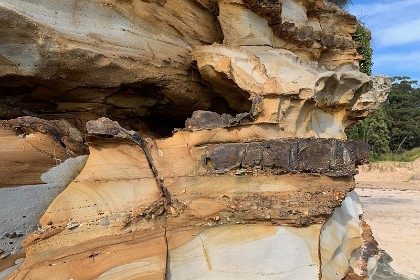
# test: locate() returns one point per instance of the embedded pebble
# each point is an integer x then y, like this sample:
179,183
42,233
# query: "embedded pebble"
19,261
73,225
105,222
2,256
14,234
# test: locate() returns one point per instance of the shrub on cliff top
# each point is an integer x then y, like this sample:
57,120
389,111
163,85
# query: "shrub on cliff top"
341,3
363,36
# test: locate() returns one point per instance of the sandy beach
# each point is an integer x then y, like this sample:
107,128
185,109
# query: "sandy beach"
390,196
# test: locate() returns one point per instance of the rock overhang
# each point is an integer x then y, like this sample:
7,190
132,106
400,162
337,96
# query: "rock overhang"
263,148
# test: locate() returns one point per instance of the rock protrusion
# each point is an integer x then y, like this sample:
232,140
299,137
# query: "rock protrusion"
316,156
104,127
265,89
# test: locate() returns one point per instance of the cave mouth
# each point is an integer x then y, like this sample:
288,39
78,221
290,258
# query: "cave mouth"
149,108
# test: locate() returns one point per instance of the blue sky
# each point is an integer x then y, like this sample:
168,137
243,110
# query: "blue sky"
395,26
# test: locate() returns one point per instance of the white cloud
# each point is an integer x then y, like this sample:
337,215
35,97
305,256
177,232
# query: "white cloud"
404,33
391,22
372,9
400,58
395,27
398,64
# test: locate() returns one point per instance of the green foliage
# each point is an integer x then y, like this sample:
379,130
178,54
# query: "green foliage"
375,131
394,127
363,36
405,156
404,109
341,3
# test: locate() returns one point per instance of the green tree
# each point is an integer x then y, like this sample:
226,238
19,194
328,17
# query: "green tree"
403,107
396,126
341,3
375,131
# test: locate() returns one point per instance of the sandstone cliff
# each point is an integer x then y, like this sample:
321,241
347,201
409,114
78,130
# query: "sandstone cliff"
187,139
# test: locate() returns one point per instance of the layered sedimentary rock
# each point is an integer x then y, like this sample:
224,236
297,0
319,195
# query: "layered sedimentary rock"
31,146
134,61
256,180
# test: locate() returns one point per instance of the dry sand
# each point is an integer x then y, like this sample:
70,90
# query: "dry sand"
390,196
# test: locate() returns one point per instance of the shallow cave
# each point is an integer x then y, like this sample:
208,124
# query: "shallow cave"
147,107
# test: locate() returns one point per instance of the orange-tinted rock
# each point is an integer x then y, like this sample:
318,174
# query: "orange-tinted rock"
257,185
31,146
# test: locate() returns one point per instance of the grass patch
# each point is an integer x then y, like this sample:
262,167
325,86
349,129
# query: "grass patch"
406,156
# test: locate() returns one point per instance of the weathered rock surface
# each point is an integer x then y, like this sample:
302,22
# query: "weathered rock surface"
31,146
125,193
256,180
292,97
133,61
23,206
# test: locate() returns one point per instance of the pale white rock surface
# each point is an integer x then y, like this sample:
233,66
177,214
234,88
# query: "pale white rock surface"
273,252
242,27
341,239
247,252
373,99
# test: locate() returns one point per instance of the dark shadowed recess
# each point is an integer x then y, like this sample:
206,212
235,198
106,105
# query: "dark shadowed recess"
147,107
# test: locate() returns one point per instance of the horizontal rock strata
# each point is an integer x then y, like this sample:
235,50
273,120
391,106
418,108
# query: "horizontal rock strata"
155,67
191,139
31,146
324,156
121,194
